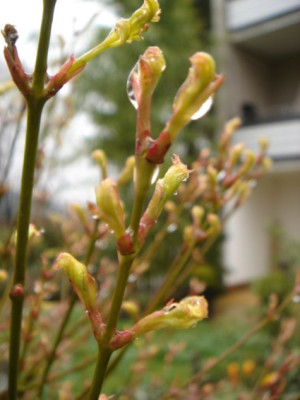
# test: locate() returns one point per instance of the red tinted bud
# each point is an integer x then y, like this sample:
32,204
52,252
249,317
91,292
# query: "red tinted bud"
125,245
17,291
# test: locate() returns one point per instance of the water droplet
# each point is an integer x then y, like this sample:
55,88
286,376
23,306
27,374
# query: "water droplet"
175,193
130,91
252,183
172,228
95,217
221,176
155,175
205,107
296,299
132,278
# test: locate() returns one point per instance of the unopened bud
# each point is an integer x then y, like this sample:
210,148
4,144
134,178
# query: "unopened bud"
248,162
188,234
263,144
212,175
145,75
3,275
131,307
214,224
200,84
170,206
243,191
231,126
197,214
81,280
164,188
127,172
267,163
235,153
100,157
180,315
111,209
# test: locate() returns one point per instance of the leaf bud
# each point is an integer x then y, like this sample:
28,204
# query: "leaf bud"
249,161
214,224
267,163
197,214
164,188
110,206
235,153
263,144
81,280
181,315
127,172
200,84
3,275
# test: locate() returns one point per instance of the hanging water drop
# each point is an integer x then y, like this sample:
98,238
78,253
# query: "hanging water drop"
130,91
296,298
155,175
172,227
205,107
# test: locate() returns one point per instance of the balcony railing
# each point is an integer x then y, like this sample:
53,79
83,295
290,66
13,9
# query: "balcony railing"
283,137
245,13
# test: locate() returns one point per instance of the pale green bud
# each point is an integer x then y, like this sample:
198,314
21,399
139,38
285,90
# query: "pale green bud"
197,214
81,280
263,144
248,163
100,157
180,315
110,206
214,224
267,163
151,65
167,186
3,275
235,153
200,84
127,172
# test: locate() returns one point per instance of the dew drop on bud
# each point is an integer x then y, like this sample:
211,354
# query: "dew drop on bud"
130,91
155,175
296,299
172,228
205,107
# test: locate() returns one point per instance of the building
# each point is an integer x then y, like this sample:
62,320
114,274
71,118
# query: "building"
258,48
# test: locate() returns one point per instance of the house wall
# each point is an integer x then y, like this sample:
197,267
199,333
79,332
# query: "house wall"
247,250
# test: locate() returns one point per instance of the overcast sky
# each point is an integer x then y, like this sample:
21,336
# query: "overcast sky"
70,16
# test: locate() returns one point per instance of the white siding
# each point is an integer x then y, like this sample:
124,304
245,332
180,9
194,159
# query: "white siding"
244,13
284,138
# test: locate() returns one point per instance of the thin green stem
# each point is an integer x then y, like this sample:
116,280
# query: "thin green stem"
144,172
33,125
104,355
124,269
40,69
35,104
